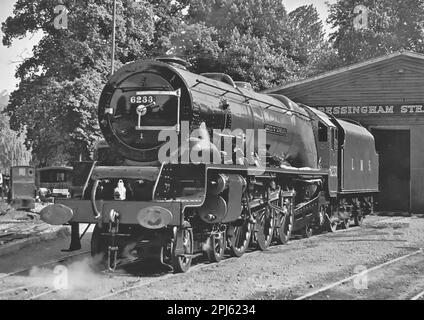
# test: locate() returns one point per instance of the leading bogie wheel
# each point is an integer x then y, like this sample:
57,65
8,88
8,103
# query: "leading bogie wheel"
181,263
265,228
239,238
215,247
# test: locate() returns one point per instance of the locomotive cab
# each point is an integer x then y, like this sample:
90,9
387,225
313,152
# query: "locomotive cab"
328,149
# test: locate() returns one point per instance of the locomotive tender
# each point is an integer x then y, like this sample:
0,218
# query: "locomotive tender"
318,172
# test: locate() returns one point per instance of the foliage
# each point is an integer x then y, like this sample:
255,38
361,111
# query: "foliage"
254,40
253,59
392,25
56,101
60,84
12,147
198,44
168,16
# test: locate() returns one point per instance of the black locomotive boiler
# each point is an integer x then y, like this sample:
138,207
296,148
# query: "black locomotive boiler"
311,172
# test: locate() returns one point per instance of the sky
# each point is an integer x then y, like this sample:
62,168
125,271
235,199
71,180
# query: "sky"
11,57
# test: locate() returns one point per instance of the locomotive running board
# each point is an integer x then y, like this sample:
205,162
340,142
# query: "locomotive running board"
304,172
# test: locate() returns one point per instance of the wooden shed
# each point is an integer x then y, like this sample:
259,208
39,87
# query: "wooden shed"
386,95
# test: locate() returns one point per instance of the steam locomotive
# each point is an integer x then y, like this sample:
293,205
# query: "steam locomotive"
202,165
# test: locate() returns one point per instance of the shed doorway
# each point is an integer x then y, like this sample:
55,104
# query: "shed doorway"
393,147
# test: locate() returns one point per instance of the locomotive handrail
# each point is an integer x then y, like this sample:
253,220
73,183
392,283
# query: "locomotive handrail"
157,181
97,214
87,181
270,105
176,93
128,89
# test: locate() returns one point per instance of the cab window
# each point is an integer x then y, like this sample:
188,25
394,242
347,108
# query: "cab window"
322,133
333,138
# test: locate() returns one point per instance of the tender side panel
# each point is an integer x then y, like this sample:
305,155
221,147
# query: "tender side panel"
359,159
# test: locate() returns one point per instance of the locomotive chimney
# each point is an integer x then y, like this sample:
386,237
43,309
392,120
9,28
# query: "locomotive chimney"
244,85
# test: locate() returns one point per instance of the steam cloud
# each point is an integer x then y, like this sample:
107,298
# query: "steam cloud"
74,276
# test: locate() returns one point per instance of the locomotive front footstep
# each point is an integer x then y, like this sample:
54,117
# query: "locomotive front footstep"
200,165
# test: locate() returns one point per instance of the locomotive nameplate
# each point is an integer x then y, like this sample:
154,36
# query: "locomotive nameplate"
279,131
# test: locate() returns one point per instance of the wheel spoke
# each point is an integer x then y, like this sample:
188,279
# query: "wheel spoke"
183,263
240,239
238,235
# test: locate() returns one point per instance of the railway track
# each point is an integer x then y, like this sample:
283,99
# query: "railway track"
27,288
118,290
329,291
198,267
48,292
140,284
419,296
50,262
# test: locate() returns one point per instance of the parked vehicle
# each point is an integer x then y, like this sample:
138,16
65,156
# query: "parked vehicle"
22,188
53,183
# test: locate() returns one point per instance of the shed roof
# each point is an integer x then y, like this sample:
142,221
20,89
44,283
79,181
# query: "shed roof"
391,79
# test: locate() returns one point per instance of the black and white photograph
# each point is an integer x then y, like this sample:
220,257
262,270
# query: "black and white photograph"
211,156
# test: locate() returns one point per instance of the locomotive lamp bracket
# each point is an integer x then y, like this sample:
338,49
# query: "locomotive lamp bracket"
141,111
114,216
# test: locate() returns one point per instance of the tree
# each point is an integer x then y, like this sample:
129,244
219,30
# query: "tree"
380,27
258,18
253,40
56,101
60,84
261,18
168,17
253,59
12,147
310,48
198,44
249,40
